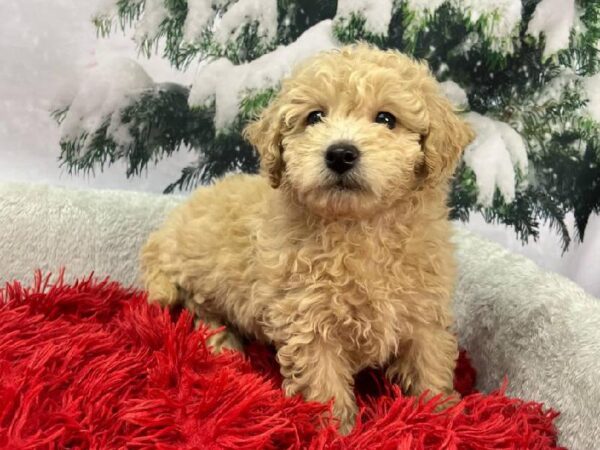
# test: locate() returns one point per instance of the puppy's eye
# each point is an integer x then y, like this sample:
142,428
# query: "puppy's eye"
386,118
315,117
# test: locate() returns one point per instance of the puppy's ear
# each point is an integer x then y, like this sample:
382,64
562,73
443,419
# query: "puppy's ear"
447,137
265,135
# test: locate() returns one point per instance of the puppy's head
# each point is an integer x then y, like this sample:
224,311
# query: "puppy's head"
355,130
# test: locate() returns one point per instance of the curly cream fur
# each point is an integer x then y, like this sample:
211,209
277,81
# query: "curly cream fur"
337,279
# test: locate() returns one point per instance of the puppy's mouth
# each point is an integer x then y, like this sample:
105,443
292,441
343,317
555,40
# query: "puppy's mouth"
346,184
344,195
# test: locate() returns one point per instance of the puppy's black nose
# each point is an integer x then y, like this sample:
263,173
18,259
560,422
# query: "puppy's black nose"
341,157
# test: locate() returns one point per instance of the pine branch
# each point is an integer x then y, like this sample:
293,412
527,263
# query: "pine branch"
584,55
293,18
159,122
353,29
588,181
519,214
296,16
225,153
190,178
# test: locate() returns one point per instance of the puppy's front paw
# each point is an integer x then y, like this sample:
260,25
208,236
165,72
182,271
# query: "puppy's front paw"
162,291
346,414
344,407
225,340
320,373
221,340
447,401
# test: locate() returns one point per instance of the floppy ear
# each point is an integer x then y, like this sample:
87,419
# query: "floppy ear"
447,137
265,135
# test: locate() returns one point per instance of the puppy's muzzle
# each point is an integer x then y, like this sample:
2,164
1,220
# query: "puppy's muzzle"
341,157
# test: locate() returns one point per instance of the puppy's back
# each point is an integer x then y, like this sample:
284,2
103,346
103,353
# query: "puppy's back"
209,233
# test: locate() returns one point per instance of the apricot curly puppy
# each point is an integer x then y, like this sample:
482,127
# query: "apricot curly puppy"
340,257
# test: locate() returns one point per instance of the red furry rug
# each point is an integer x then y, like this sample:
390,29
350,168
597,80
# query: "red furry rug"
91,365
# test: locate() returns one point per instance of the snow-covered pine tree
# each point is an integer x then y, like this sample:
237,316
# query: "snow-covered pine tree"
525,72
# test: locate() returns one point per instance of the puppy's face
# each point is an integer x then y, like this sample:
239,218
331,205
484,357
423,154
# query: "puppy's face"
354,131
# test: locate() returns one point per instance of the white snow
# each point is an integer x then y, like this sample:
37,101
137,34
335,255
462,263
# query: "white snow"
226,83
423,7
568,79
421,10
470,40
261,12
377,14
592,89
226,25
106,8
553,90
502,18
493,156
104,93
515,146
553,18
147,28
210,82
454,93
200,14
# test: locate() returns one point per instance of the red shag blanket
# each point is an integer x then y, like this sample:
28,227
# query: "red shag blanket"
92,365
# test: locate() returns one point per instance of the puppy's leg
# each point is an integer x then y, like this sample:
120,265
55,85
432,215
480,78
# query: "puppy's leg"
161,290
320,373
160,287
224,339
427,363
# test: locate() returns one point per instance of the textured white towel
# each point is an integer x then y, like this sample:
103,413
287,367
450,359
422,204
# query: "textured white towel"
537,328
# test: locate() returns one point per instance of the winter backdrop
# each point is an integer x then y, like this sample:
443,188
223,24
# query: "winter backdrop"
523,73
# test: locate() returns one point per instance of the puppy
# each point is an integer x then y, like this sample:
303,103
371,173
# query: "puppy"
340,255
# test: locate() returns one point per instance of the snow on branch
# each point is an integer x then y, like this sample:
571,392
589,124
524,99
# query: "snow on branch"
424,7
226,20
377,14
568,80
592,91
554,90
226,83
454,93
494,154
498,19
106,8
200,14
554,19
102,96
261,12
148,27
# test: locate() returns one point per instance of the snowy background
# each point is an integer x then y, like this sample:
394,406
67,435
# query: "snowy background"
46,45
